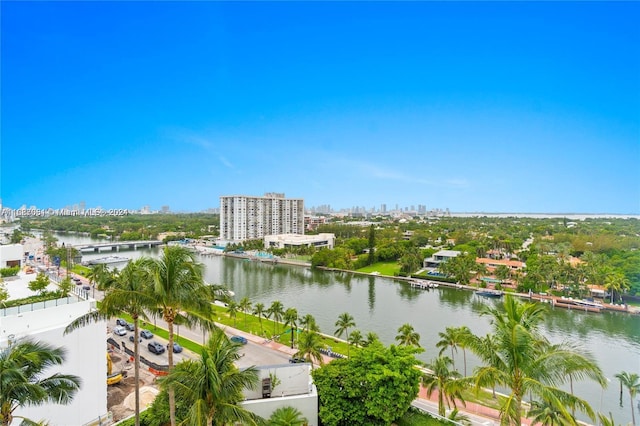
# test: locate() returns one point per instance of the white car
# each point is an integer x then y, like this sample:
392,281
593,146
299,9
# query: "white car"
120,331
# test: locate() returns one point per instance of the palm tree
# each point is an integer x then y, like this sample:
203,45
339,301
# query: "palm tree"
212,385
355,338
22,384
616,283
631,381
463,336
309,346
309,323
448,338
526,363
259,311
276,311
549,414
98,274
232,310
457,417
446,381
290,320
287,416
179,290
408,336
345,320
370,338
245,306
127,292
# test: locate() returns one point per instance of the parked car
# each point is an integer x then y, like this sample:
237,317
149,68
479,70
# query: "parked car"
297,360
239,339
131,338
176,348
120,331
146,334
129,326
86,287
121,322
155,347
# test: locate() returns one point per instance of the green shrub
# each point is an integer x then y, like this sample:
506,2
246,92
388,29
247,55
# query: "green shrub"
9,272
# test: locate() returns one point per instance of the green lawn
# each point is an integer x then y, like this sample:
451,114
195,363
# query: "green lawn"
251,324
391,268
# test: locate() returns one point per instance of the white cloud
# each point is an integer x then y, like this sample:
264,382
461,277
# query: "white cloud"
226,162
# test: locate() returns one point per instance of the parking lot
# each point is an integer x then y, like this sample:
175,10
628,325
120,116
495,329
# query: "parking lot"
162,358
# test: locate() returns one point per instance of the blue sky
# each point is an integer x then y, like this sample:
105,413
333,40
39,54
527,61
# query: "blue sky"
495,107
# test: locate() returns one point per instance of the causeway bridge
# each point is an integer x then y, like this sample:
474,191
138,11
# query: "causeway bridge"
116,246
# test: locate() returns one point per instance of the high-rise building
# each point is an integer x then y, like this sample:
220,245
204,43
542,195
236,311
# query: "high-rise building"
249,218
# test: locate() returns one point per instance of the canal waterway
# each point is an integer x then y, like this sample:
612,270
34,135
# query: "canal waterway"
382,305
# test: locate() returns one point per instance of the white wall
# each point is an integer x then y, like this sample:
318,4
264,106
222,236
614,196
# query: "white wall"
307,404
295,389
10,252
85,357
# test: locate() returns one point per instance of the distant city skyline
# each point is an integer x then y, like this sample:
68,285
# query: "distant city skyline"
523,107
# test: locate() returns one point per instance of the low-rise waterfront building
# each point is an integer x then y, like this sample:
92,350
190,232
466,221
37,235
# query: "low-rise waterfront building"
294,240
438,258
492,264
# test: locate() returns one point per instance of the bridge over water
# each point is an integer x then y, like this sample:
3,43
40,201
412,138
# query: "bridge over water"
116,246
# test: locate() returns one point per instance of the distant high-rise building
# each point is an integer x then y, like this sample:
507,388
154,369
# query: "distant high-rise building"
249,218
164,209
383,209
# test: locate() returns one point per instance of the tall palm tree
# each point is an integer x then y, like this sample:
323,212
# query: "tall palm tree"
212,385
616,282
245,307
290,320
127,292
287,416
98,274
463,337
631,381
448,338
408,336
276,311
259,311
309,347
526,363
179,290
446,381
21,381
345,320
232,310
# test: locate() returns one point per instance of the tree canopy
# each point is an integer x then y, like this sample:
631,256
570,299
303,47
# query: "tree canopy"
373,387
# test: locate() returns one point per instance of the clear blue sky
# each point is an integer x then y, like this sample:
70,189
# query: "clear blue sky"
495,107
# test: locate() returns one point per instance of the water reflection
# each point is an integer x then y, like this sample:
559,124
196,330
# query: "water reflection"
371,293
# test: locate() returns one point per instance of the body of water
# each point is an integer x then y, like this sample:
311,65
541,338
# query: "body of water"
382,305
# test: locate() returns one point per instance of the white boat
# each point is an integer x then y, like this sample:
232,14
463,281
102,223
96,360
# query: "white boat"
108,260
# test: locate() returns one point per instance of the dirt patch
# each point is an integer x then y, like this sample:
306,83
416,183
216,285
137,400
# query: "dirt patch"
120,406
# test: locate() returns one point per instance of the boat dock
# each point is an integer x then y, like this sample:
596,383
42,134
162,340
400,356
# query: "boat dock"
423,284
